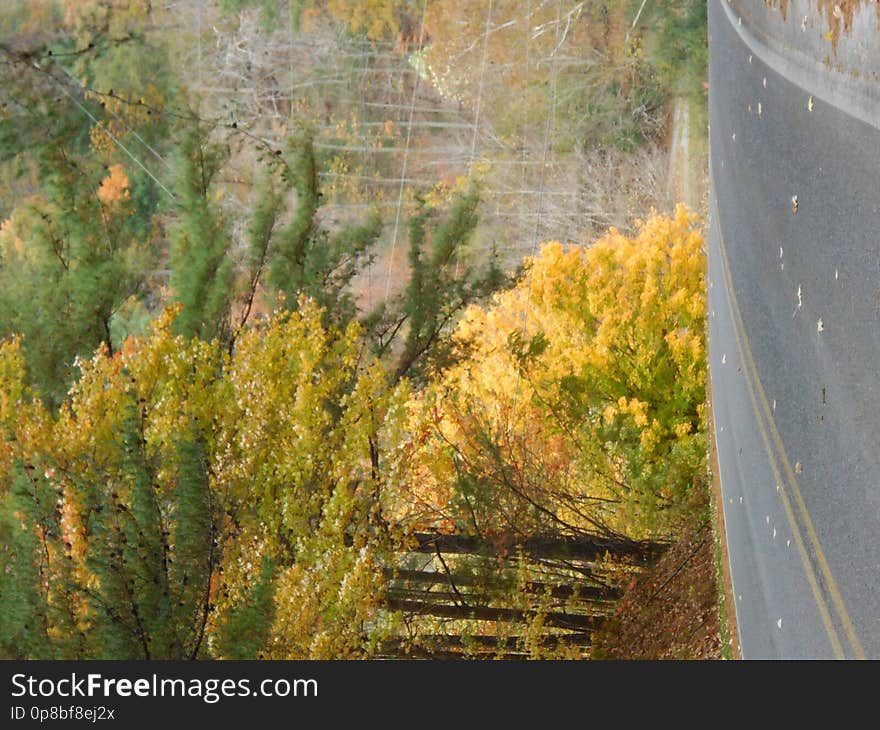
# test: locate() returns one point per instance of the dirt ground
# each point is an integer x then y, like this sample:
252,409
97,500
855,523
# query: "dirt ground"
670,612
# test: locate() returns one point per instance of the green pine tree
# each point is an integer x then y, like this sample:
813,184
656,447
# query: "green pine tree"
243,633
201,269
442,283
77,262
306,257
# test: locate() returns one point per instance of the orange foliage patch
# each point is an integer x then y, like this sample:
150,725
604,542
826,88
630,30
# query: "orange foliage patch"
114,187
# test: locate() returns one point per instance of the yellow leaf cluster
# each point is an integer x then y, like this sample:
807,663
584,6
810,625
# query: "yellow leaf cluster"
610,403
287,421
115,187
375,18
125,111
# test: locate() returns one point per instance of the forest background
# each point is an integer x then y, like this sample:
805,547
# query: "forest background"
349,329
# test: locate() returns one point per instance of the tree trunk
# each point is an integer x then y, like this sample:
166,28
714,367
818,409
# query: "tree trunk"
575,591
573,622
587,547
441,646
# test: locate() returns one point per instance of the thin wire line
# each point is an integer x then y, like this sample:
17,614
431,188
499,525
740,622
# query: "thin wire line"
405,164
119,119
551,120
60,83
364,162
550,123
478,106
117,142
525,96
480,85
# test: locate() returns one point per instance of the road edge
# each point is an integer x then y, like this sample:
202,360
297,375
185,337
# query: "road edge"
857,97
727,605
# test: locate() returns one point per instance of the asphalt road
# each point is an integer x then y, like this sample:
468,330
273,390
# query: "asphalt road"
794,307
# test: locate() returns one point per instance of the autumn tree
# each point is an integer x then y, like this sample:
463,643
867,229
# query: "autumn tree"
283,499
214,505
272,466
580,404
69,260
125,533
572,426
78,246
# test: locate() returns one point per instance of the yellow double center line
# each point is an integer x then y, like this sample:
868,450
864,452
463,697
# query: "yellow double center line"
764,418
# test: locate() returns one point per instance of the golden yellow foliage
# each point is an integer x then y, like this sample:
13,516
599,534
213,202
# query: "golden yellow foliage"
374,18
25,425
288,423
114,187
125,112
575,405
80,11
581,391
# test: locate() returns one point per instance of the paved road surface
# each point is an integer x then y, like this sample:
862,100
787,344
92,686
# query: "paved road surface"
794,306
